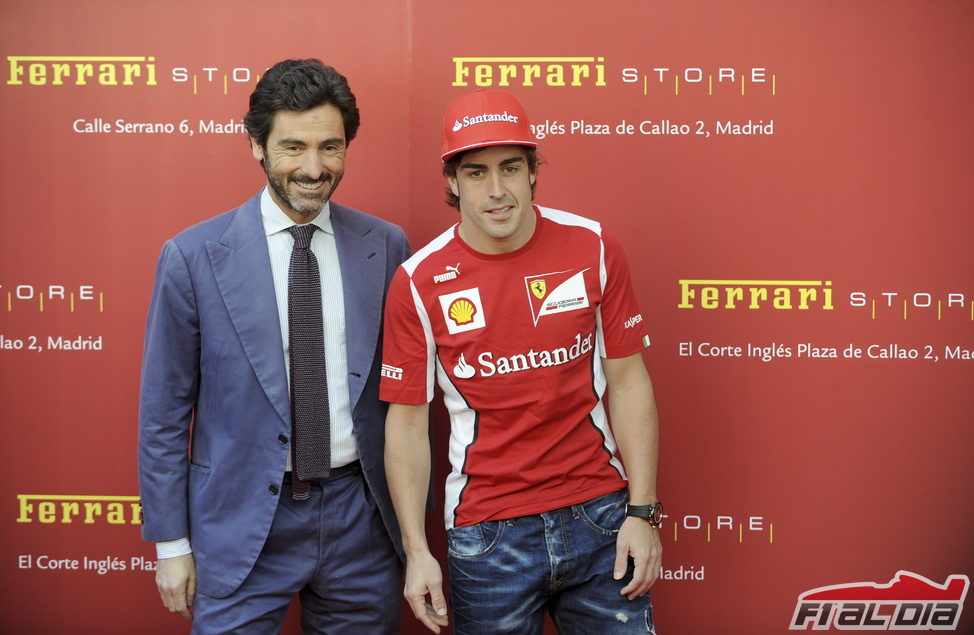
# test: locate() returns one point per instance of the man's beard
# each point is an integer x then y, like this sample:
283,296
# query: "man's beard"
303,205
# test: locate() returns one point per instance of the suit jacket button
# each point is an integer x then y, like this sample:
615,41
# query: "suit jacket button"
282,438
273,489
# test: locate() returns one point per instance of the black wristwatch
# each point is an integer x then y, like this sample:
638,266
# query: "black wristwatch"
653,513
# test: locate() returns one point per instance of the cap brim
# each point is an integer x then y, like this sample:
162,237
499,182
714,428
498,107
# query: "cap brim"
485,144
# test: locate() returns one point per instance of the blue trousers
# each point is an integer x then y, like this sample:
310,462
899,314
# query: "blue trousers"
331,550
504,575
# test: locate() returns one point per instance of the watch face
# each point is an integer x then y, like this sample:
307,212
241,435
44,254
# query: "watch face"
657,515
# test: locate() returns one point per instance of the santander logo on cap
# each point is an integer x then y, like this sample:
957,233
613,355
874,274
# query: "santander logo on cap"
485,118
469,121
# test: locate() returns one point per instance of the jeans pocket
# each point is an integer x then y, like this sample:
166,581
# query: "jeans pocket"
605,513
474,541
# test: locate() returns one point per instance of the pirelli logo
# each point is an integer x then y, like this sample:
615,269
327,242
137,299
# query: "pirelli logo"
485,72
782,295
67,509
78,70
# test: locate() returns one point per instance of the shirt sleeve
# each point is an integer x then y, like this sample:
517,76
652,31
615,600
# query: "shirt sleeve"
623,328
407,347
173,548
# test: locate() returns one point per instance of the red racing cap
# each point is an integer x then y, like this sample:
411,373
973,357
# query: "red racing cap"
485,118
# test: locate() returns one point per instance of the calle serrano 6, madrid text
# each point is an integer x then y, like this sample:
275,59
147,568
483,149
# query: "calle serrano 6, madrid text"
99,125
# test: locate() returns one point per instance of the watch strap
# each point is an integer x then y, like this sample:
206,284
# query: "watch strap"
651,513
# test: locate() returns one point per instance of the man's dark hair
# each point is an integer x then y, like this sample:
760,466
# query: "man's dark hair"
299,85
450,170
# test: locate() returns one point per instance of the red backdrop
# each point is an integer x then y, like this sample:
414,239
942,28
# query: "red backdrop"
780,474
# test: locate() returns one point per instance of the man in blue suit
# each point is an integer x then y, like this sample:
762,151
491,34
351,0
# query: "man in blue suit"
238,532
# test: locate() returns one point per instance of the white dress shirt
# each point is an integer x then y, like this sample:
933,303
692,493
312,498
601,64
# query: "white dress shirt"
280,243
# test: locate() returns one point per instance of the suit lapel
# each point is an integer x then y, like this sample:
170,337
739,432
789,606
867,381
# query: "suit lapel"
241,266
361,252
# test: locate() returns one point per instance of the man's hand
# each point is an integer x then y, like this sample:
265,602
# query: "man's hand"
639,539
176,580
423,577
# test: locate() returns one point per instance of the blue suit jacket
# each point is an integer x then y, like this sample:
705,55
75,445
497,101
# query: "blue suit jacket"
213,382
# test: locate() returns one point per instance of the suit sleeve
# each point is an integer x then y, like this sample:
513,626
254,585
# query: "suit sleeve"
405,251
168,395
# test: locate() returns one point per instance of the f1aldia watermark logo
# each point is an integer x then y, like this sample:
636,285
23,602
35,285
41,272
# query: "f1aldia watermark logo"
909,602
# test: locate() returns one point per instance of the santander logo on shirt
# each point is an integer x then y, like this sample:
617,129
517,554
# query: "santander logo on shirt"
490,363
463,370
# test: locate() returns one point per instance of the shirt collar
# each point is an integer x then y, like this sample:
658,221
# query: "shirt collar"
275,220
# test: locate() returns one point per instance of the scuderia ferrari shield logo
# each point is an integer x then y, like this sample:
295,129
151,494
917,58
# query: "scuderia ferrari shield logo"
539,288
567,292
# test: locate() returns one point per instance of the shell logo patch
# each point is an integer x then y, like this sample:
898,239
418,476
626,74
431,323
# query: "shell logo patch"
463,311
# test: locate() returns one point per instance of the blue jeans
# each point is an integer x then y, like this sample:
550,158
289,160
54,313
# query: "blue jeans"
505,574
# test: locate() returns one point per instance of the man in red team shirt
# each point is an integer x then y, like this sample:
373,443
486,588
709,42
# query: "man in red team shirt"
526,317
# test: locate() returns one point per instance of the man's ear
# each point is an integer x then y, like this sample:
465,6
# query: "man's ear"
256,149
453,185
